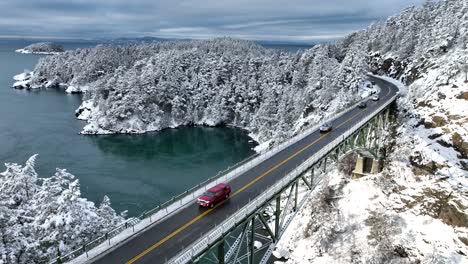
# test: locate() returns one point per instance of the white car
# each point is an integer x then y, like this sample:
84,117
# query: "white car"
375,98
327,127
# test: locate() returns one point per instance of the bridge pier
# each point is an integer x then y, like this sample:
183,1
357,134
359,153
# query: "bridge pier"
375,166
359,169
363,167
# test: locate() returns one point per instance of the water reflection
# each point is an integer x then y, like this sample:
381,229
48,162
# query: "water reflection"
145,170
191,143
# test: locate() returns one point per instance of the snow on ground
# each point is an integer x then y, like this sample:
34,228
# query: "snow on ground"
362,227
260,147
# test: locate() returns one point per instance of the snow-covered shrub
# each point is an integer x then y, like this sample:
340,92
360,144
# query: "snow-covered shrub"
43,217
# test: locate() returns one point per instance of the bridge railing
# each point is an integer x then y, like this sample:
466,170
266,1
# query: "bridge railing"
187,197
211,237
131,222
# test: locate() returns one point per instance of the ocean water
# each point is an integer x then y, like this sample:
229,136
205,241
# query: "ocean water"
137,172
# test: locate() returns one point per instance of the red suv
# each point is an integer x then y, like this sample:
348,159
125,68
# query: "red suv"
215,194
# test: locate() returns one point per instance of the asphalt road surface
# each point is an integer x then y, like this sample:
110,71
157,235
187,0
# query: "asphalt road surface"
165,239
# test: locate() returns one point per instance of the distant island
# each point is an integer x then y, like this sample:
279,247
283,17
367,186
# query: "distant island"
42,48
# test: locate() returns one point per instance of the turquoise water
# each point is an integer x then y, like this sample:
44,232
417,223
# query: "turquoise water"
136,171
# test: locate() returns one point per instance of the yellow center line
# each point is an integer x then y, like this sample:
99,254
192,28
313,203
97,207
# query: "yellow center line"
157,244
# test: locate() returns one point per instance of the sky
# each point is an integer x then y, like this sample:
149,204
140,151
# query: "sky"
305,21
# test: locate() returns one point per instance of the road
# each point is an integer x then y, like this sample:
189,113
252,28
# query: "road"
165,239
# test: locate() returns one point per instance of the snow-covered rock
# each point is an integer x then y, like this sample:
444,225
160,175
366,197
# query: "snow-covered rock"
23,80
76,89
22,84
84,111
23,76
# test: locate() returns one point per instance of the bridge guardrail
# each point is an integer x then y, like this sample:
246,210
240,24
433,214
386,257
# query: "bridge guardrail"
180,201
211,237
107,236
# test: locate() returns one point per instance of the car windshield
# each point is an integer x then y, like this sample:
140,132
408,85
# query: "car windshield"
209,194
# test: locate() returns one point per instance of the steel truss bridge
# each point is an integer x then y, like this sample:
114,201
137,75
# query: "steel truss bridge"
268,190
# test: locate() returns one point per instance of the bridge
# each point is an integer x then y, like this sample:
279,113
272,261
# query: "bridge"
268,189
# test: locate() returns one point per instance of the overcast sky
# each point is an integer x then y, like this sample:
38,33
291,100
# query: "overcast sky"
279,20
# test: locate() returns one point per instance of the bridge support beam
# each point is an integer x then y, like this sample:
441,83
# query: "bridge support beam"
252,242
267,227
221,252
307,183
277,216
296,195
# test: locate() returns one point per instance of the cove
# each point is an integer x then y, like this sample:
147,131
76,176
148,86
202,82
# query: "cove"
137,172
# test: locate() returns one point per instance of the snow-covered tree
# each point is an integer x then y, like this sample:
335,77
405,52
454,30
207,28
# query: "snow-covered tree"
139,88
43,217
152,86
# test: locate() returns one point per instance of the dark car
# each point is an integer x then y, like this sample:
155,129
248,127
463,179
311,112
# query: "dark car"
362,105
214,195
373,82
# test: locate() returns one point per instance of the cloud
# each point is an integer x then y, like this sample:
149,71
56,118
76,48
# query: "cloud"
286,20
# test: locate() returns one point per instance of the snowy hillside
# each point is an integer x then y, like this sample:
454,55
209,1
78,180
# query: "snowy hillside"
41,218
147,87
416,210
365,221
